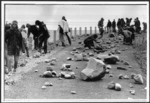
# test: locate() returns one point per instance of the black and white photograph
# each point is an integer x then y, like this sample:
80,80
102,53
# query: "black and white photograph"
74,51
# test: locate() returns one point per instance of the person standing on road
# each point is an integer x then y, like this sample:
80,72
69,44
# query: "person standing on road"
100,26
25,40
63,28
13,39
109,26
114,25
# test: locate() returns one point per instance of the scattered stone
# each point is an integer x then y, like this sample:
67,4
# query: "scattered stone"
69,58
37,55
69,69
121,68
74,49
117,86
138,79
66,67
72,75
44,87
126,77
108,66
130,66
60,78
53,63
126,63
94,70
111,85
36,70
132,92
90,54
67,76
132,75
78,57
73,92
47,74
111,59
54,74
110,75
47,84
117,52
47,60
49,68
111,35
121,76
107,71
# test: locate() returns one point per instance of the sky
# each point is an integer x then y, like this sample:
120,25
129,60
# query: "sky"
76,15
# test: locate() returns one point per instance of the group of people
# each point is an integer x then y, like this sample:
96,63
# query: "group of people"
124,27
17,40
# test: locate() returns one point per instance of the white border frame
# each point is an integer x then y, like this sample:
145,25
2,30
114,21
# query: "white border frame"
69,100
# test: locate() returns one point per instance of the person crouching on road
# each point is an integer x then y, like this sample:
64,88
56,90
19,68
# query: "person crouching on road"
63,28
90,41
13,39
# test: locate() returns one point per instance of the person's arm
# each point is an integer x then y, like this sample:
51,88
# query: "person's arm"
28,34
22,45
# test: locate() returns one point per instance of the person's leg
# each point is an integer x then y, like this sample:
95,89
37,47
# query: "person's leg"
62,38
16,58
10,63
41,40
69,40
45,45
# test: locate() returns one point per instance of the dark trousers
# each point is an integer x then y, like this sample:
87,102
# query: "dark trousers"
43,40
62,38
69,40
36,42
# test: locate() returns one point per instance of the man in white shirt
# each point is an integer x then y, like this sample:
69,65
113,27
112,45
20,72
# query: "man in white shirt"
63,30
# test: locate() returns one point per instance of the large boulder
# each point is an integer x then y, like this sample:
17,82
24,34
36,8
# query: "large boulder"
95,70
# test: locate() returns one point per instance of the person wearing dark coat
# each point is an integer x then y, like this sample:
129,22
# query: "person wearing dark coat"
137,25
100,26
119,25
13,39
44,35
109,26
35,32
128,21
114,25
89,41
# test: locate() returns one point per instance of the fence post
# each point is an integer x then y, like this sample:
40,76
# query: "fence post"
80,31
75,31
85,30
54,36
95,30
90,30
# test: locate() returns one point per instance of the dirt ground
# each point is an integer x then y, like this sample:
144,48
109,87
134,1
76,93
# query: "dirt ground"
30,83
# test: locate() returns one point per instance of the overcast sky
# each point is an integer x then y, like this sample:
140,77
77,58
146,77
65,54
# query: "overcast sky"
77,15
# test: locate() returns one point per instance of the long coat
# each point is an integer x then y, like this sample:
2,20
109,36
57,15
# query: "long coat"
13,39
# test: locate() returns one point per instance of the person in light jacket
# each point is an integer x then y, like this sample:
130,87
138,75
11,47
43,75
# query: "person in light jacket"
63,28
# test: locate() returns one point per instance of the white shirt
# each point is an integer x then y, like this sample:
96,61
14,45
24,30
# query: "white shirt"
64,24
